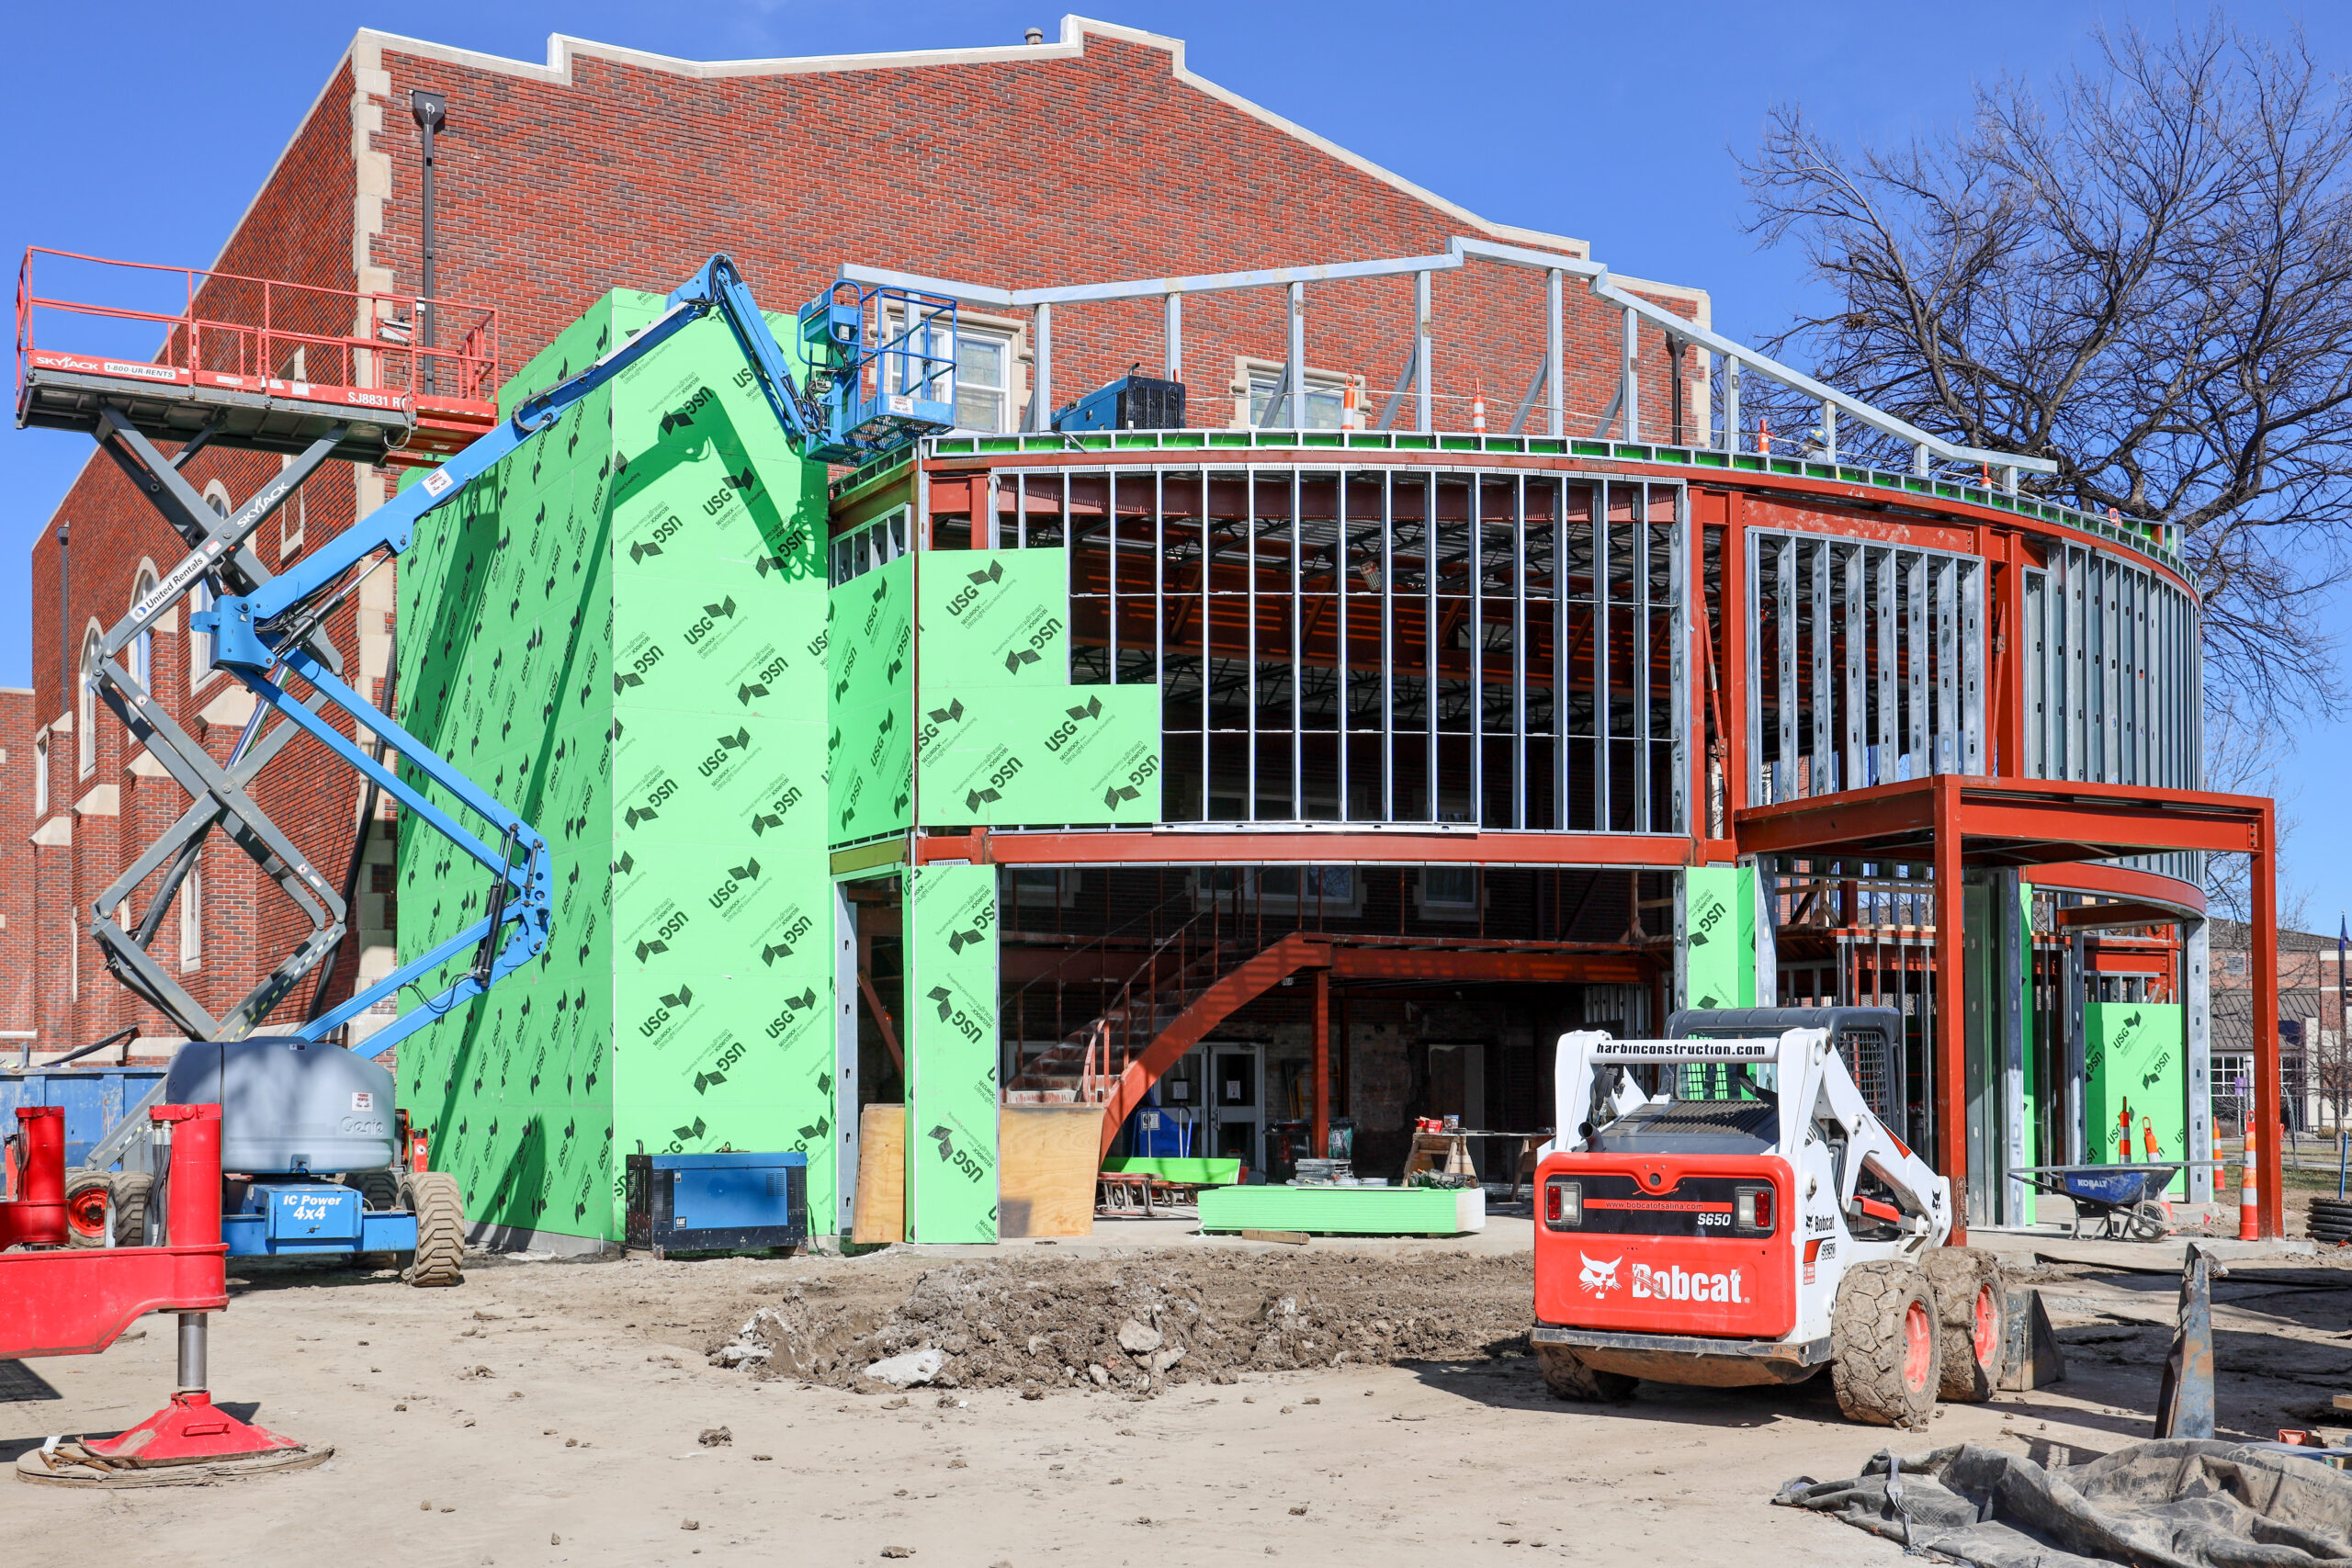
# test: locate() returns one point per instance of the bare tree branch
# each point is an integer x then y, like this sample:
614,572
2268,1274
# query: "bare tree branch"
2142,271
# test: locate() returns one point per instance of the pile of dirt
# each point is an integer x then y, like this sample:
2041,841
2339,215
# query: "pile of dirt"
1137,1325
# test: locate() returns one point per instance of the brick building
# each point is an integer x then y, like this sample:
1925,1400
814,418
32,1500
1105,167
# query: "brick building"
609,167
1461,704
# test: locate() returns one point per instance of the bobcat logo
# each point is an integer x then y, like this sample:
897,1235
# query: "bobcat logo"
1600,1275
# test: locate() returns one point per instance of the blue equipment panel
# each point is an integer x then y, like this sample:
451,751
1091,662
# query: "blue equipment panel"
291,1218
94,1099
716,1203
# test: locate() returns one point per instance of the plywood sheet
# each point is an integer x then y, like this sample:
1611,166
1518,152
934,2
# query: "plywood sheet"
1048,1156
881,1213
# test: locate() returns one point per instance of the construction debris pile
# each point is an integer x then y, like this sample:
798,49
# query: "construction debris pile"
1131,1325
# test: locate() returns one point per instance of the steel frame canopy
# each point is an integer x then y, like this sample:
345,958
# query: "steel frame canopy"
1955,821
1460,250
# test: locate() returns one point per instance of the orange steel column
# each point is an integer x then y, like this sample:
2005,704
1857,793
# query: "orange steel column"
1951,1003
1322,1112
2267,1116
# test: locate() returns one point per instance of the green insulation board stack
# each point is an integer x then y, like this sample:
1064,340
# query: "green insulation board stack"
620,632
1345,1210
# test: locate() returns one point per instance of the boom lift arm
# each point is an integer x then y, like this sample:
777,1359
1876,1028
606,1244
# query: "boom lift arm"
268,629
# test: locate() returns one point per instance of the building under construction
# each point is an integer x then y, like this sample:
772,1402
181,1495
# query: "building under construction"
1479,647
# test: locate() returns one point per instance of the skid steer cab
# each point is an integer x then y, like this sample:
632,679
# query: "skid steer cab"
1726,1207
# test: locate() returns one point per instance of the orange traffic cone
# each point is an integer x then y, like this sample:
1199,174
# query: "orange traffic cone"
1478,407
1764,436
2249,1220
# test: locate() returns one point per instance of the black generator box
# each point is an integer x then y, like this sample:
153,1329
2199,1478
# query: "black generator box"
720,1202
1131,403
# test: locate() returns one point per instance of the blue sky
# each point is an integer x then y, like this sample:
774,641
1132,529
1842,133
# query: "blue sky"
142,130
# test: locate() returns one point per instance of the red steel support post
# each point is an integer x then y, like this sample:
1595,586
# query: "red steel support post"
1951,1018
2268,1117
1322,1110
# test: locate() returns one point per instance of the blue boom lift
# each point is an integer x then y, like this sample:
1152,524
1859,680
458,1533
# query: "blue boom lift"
871,389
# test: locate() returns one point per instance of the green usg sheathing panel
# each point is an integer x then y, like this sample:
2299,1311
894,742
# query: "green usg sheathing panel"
2133,1056
1010,756
621,631
1346,1211
869,747
995,618
1719,936
952,1053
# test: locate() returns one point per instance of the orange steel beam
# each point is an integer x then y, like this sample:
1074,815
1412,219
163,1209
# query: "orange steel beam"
2123,882
2115,917
2041,821
1350,963
1178,845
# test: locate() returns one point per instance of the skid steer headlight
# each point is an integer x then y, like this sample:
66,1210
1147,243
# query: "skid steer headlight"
1752,1210
1563,1204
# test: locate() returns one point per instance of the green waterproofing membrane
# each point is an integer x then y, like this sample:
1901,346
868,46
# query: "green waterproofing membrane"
951,1054
1005,739
1719,936
996,618
620,630
2133,1056
869,750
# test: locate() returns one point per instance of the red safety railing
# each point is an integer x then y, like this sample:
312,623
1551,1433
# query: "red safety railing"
221,329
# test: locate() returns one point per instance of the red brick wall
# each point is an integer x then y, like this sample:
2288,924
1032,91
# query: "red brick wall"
17,928
1026,172
1012,174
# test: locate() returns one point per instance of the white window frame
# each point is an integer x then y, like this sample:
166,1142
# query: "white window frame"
142,647
1252,377
191,910
861,549
1449,908
86,703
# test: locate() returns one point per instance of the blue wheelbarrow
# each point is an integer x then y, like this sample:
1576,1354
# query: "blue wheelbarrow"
2126,1201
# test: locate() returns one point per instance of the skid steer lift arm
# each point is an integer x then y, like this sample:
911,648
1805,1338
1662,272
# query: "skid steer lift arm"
266,633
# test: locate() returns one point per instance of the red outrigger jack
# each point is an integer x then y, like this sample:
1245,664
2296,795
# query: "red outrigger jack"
61,1301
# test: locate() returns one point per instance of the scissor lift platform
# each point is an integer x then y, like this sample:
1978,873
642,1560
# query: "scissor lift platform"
251,364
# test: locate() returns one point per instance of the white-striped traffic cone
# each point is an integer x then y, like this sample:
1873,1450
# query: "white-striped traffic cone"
2250,1202
1478,407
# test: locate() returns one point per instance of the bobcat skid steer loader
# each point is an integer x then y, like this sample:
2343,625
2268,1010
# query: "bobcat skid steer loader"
1727,1208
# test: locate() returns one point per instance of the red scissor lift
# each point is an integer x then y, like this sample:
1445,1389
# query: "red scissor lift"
61,1301
219,358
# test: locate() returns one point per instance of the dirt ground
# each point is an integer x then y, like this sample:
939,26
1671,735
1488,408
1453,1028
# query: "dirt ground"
1366,1404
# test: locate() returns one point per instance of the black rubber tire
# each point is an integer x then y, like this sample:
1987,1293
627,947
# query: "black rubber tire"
380,1190
1871,1349
440,1255
1569,1378
131,1189
79,1183
1963,1277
